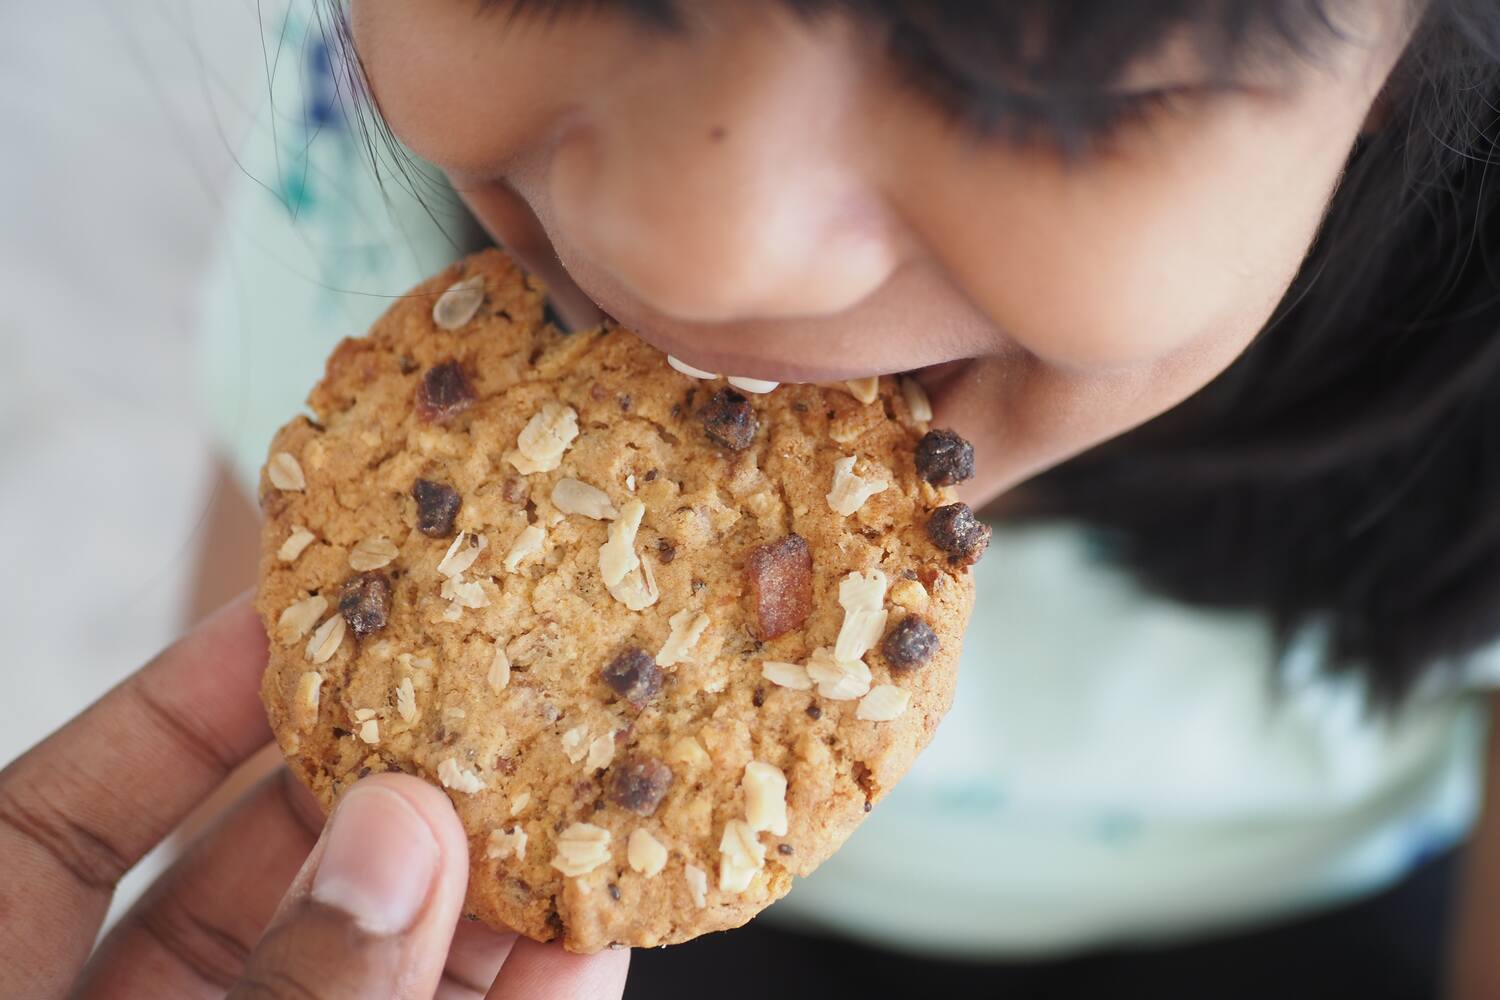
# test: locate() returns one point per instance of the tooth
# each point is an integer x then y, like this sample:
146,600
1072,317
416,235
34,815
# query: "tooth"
757,385
689,370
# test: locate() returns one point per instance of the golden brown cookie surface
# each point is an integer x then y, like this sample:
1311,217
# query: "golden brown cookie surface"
662,643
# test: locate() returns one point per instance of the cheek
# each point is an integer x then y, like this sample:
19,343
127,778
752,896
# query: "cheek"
1120,263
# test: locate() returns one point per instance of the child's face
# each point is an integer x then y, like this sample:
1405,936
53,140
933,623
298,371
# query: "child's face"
768,197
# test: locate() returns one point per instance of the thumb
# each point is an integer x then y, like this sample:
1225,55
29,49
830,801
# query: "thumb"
372,912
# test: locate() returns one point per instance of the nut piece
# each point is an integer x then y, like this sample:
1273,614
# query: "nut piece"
285,472
697,883
645,853
437,507
909,644
787,675
406,701
372,553
628,579
460,779
505,842
573,496
687,628
849,491
690,752
601,752
581,848
838,680
781,585
729,420
741,855
956,531
527,544
299,617
909,594
634,676
884,703
296,543
862,596
916,399
444,393
326,640
455,307
369,731
541,443
305,701
365,603
638,784
944,459
765,798
499,676
462,554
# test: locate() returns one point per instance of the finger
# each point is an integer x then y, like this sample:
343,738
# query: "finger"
546,972
373,910
79,809
191,933
474,959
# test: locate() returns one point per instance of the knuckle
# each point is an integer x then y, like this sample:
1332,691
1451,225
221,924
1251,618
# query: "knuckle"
33,813
211,953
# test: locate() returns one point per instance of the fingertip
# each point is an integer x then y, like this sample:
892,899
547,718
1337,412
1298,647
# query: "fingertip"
433,806
546,972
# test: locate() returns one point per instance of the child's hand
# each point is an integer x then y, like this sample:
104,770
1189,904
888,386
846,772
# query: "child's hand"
370,913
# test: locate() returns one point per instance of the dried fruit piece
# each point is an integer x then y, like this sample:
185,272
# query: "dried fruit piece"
687,628
634,676
956,531
573,496
944,459
506,842
884,703
299,617
459,778
296,543
445,392
372,553
917,402
455,307
849,491
437,507
581,848
741,855
541,443
285,472
365,603
765,798
638,783
781,585
326,640
909,644
787,675
645,853
729,420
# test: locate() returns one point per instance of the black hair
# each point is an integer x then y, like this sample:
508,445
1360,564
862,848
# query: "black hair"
1344,472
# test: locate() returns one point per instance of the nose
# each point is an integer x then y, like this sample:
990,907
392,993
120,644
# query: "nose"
729,186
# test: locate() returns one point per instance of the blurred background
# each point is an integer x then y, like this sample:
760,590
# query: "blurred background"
123,122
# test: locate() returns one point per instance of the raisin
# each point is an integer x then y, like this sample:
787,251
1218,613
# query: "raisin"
638,784
634,676
437,507
444,393
781,585
956,531
729,420
365,602
944,458
909,643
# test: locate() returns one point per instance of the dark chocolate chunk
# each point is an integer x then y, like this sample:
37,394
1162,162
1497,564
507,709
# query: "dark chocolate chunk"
365,602
437,506
944,458
634,676
444,393
956,531
909,643
781,585
729,420
638,784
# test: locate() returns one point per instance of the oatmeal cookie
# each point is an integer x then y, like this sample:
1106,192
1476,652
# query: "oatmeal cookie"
664,643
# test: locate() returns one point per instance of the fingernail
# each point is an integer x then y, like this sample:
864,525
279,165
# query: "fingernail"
379,862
